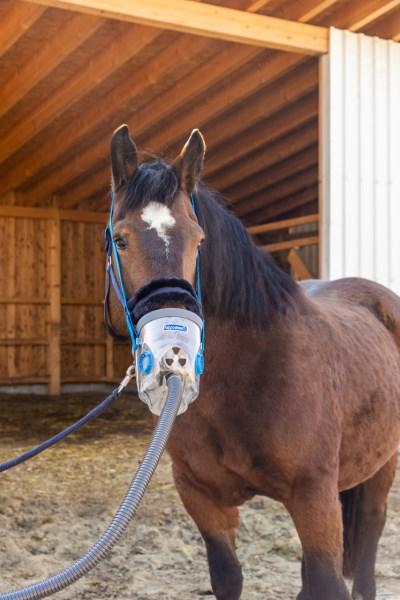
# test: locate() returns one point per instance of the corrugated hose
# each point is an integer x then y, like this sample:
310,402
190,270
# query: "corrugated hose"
125,513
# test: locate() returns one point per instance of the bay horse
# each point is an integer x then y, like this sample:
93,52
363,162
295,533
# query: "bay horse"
300,399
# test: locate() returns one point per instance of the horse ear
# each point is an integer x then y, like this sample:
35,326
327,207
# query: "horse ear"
124,158
189,163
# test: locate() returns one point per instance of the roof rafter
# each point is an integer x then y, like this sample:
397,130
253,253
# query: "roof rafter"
15,21
263,158
250,207
355,15
283,205
98,69
209,20
166,104
264,179
156,69
67,38
271,129
387,28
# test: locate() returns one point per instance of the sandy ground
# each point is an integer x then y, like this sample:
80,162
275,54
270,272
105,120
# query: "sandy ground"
55,506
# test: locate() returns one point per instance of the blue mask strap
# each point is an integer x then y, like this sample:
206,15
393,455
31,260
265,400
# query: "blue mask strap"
120,287
198,277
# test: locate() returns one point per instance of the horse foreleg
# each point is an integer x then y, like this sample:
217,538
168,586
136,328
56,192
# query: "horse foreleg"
217,525
316,513
371,515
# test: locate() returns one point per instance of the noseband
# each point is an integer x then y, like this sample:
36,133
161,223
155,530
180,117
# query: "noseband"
173,291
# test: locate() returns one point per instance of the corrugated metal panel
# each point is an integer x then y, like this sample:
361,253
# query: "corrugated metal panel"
360,162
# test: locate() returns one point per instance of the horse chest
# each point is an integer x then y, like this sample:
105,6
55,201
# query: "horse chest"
219,462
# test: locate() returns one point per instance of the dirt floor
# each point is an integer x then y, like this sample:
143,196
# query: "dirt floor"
55,506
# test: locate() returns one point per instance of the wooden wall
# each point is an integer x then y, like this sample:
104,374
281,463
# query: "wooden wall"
51,299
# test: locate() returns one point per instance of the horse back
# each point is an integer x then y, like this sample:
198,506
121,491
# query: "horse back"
378,299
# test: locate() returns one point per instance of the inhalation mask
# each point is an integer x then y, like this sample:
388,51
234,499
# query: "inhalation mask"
170,342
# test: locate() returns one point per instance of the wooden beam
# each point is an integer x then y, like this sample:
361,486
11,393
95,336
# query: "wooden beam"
387,28
99,68
209,20
270,130
257,5
264,179
66,39
287,244
129,92
164,106
305,11
358,15
265,157
299,268
291,185
278,225
29,212
243,115
15,21
285,204
54,324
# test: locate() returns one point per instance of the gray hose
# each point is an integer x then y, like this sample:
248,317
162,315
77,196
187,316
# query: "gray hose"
125,513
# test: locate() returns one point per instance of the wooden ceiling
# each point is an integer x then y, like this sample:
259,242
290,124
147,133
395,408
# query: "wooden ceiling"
68,79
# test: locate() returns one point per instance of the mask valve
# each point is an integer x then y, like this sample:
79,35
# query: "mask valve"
170,344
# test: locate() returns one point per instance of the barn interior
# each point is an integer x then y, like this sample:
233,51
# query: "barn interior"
69,78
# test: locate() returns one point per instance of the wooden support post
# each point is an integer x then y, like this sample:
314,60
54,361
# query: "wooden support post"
11,308
54,320
109,357
299,268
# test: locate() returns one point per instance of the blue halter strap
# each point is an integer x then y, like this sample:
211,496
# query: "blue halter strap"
118,281
119,286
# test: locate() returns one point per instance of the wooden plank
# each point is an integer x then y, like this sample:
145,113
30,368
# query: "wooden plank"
11,268
16,20
23,342
164,105
387,28
129,92
299,268
270,130
109,356
81,302
118,53
285,204
272,194
285,224
264,179
66,39
357,15
305,10
209,20
267,156
83,342
28,212
54,325
244,111
25,300
287,244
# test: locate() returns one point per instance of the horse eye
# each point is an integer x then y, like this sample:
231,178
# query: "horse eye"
121,243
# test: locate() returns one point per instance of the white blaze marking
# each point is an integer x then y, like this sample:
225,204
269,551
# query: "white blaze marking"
159,217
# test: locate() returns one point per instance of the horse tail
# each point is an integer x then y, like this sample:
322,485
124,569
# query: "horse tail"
351,510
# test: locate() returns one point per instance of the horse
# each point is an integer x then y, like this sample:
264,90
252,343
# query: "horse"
300,398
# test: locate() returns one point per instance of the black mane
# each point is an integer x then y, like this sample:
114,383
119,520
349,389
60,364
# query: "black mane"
240,282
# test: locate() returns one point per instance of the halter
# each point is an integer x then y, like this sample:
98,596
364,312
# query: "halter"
128,304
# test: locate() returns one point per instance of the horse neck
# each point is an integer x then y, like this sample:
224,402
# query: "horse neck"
242,285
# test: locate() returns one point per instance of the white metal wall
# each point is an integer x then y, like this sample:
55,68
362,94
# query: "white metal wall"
360,159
